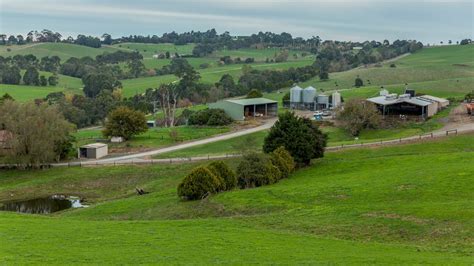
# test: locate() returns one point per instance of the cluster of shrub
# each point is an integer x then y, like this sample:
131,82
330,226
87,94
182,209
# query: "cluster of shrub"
227,60
209,117
254,170
10,70
292,141
105,63
271,80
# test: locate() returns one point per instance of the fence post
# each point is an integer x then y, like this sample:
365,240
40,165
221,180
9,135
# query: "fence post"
447,132
170,160
400,140
456,131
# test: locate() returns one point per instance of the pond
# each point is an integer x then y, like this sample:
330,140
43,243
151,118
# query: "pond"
46,205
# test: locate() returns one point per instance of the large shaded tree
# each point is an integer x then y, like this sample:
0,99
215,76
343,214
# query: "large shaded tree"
298,135
125,122
40,134
31,76
94,83
358,114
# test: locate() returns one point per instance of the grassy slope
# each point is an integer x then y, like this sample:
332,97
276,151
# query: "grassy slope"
209,75
26,92
355,206
336,137
432,70
156,137
63,50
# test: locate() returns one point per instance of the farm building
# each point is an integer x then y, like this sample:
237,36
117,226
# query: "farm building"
442,103
405,104
309,99
93,151
239,109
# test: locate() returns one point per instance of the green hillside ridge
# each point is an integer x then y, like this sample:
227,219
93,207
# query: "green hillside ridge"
381,205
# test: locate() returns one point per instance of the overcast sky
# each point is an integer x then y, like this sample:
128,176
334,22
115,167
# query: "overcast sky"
357,20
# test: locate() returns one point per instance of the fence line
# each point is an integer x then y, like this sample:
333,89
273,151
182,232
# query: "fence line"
234,155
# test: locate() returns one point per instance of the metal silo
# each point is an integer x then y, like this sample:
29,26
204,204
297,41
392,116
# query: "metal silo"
309,94
295,94
336,99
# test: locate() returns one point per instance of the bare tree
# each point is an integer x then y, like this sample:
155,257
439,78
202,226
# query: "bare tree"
358,114
168,96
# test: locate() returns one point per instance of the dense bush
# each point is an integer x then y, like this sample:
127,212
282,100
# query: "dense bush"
358,82
282,159
358,114
200,183
254,94
222,170
300,136
210,117
256,170
125,122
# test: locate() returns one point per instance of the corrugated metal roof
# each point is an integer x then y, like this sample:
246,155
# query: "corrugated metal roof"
382,100
252,101
94,145
434,98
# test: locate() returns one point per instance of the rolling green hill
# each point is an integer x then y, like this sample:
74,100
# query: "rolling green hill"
26,93
446,71
442,71
63,50
364,206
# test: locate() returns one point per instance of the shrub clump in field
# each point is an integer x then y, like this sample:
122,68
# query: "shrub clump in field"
256,170
210,117
223,171
282,159
198,184
298,135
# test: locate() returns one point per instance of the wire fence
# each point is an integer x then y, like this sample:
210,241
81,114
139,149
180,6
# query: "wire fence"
138,161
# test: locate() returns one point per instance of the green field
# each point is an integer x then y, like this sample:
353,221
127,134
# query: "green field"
26,93
63,50
366,206
154,137
336,137
441,71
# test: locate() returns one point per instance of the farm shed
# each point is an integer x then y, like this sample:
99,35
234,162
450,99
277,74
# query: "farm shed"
239,109
93,151
442,103
404,104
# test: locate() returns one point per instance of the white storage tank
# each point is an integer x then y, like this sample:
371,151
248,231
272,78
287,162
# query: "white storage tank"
296,94
336,99
309,94
323,99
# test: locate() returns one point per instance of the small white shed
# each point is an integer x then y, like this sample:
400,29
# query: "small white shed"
93,151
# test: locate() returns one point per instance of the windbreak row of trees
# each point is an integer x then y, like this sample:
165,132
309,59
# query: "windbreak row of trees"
50,36
207,41
11,70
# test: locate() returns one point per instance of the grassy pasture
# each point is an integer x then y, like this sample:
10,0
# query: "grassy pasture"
150,49
154,137
447,64
24,93
63,50
378,205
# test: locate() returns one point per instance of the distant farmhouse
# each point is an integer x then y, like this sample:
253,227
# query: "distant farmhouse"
310,99
424,106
